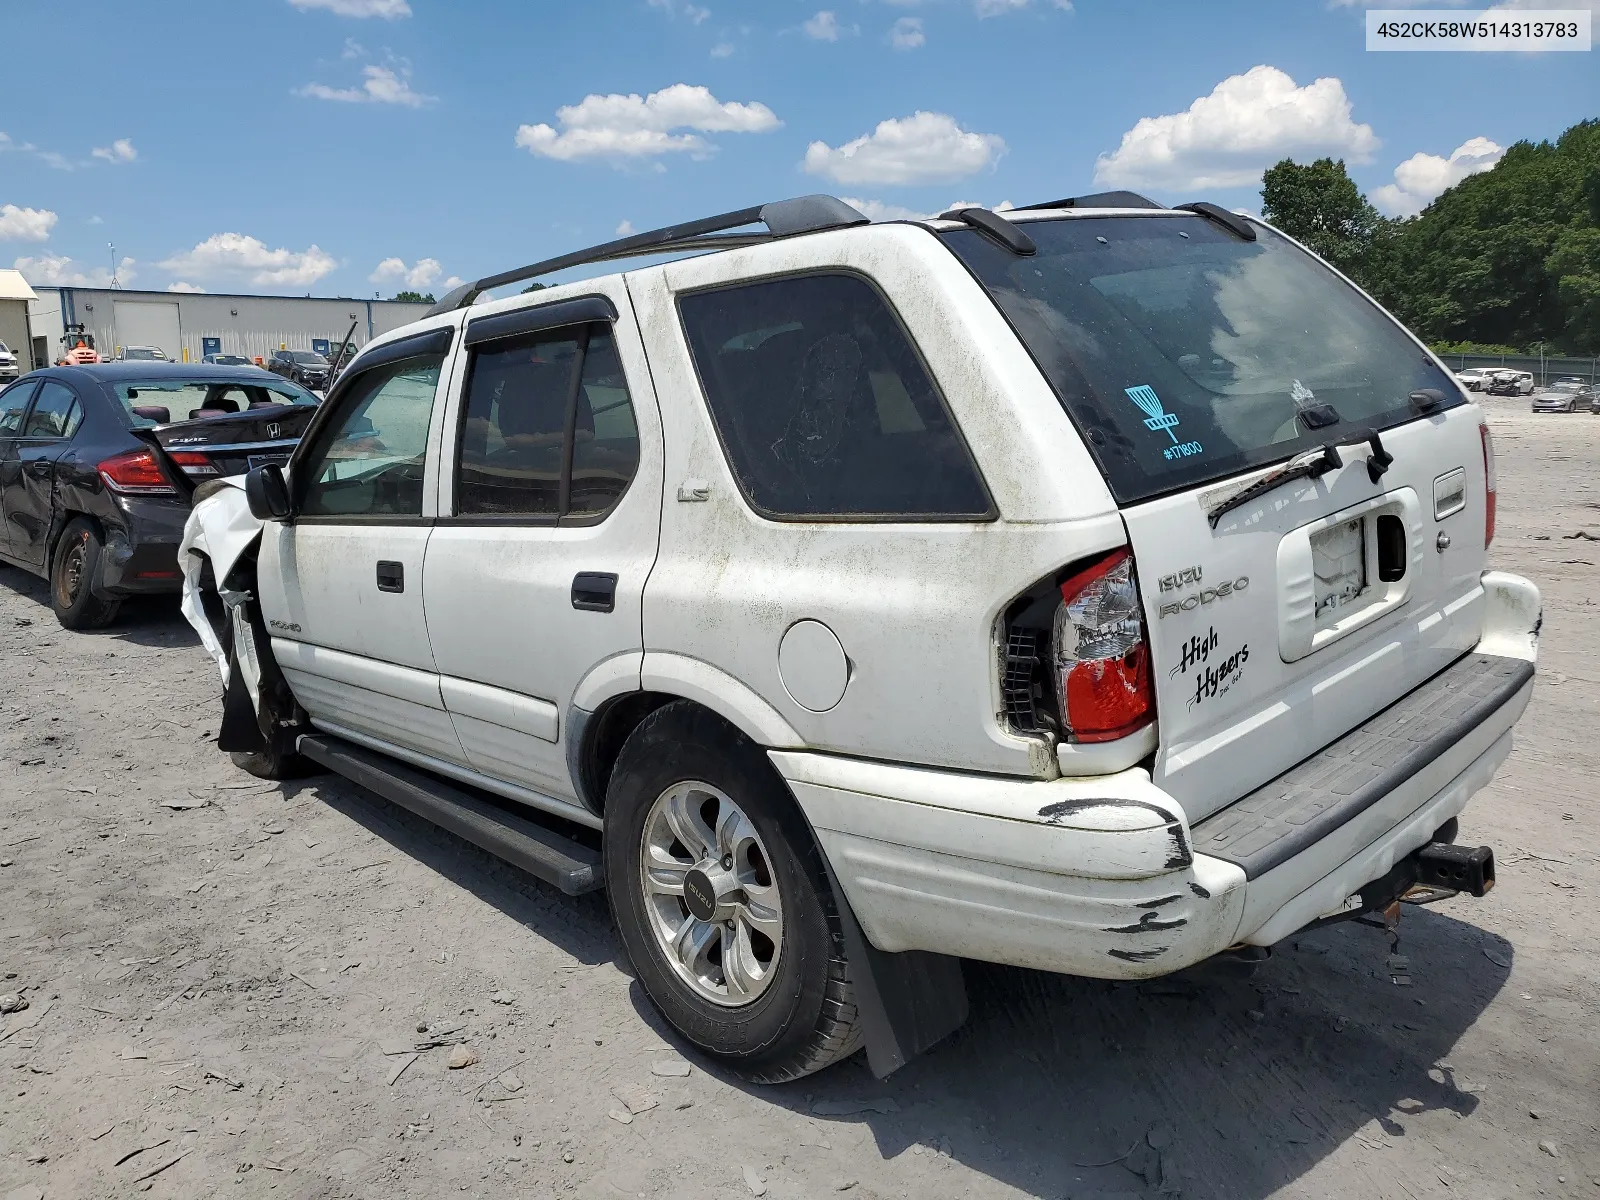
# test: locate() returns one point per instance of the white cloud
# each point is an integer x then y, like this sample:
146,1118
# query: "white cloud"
635,126
389,10
181,286
625,228
383,85
693,13
999,8
235,256
1003,206
907,34
57,270
1421,178
451,283
393,271
877,210
50,158
722,50
1228,138
25,224
824,27
926,147
97,220
353,49
120,151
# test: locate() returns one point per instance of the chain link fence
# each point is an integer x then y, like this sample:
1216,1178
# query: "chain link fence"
1545,370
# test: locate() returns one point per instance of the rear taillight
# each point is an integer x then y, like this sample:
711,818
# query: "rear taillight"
1100,657
1488,484
135,473
193,462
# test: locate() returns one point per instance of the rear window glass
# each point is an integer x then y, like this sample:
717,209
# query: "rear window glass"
823,407
158,401
515,458
1185,354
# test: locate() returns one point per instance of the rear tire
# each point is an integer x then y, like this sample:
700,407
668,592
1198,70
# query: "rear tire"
74,568
787,1007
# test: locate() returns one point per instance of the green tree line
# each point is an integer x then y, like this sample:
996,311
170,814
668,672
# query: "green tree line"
1508,259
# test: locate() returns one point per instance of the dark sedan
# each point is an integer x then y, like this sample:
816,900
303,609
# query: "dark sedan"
305,367
97,464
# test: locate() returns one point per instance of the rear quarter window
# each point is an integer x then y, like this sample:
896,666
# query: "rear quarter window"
823,407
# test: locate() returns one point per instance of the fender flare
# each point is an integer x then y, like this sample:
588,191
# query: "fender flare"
697,680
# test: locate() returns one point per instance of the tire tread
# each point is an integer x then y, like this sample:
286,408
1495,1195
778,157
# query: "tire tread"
837,1031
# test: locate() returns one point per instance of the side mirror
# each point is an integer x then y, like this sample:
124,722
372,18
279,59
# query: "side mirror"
267,493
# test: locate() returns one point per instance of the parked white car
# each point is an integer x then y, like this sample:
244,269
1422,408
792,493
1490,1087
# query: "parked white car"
1510,383
1474,379
10,366
1031,588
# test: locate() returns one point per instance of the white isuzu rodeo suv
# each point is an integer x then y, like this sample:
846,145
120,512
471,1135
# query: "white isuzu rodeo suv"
1095,587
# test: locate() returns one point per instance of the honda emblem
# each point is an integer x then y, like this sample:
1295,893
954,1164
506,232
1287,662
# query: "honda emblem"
274,430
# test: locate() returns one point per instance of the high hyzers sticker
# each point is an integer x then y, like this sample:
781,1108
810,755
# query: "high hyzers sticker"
1214,674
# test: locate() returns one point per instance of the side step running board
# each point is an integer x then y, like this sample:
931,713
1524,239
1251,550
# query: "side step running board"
569,865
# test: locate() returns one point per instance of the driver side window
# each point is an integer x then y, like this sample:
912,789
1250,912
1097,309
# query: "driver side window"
369,462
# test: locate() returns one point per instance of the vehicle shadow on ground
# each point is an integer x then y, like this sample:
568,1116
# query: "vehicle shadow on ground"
579,925
1218,1087
142,620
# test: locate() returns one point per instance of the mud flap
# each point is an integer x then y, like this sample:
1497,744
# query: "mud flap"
908,1002
240,731
257,707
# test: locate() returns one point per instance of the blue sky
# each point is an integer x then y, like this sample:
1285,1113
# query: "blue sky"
347,147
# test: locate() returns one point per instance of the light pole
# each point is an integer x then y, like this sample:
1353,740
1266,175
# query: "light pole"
112,247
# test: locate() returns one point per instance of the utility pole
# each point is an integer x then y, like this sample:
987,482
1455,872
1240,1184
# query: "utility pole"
112,247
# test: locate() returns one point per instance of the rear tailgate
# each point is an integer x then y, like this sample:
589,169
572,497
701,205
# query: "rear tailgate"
1311,607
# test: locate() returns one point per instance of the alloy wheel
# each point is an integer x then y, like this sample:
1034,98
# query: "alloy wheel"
710,895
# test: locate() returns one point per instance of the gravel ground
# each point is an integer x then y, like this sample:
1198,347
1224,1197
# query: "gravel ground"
262,995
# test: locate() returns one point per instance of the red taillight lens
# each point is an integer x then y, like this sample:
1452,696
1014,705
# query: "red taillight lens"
135,473
192,462
1101,656
1489,484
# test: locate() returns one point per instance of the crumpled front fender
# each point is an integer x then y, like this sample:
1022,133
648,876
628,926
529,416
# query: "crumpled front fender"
220,529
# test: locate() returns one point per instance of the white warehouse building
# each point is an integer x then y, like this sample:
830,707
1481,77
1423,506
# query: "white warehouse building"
187,326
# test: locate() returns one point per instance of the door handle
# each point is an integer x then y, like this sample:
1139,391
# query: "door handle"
594,591
391,577
39,466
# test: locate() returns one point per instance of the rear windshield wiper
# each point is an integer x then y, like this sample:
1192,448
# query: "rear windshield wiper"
1310,465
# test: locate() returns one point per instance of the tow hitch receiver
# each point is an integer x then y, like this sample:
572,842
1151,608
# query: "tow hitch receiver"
1467,869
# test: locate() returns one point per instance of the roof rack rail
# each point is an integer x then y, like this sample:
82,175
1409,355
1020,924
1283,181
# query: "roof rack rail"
995,227
783,218
1099,200
1232,222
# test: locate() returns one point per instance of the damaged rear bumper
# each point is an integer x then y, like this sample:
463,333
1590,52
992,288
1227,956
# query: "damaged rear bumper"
1091,877
1104,876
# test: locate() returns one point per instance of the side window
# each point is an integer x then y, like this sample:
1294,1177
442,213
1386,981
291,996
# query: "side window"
523,394
13,404
369,461
823,406
56,412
